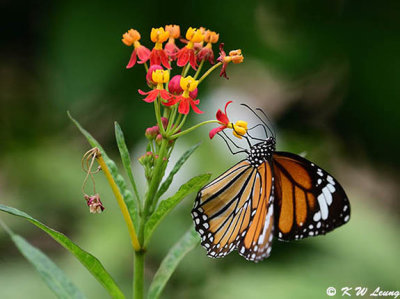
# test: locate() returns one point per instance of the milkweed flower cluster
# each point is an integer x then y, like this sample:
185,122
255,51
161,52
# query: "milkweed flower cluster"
172,89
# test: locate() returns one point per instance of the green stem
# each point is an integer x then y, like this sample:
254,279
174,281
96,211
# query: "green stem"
138,268
158,115
138,275
199,69
193,128
186,70
171,118
146,67
157,176
209,71
180,124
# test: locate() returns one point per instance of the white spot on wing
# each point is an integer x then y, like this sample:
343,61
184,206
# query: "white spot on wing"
323,206
328,195
331,188
317,216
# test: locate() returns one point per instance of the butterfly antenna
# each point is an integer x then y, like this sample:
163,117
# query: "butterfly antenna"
264,124
255,138
229,147
272,124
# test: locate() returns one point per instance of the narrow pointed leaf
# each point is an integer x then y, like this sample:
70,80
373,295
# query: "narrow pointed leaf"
89,261
119,180
165,185
126,162
52,275
187,243
193,185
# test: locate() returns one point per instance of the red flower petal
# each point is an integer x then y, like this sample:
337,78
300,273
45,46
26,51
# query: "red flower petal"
194,107
214,131
143,93
172,50
143,53
183,56
226,106
165,94
132,60
152,96
171,101
221,117
184,106
154,58
223,71
164,58
206,54
192,59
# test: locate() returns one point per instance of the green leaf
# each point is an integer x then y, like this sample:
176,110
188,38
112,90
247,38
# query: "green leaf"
193,185
53,276
119,180
188,242
126,162
165,185
89,261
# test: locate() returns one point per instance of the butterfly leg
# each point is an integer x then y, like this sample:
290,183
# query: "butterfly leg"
229,147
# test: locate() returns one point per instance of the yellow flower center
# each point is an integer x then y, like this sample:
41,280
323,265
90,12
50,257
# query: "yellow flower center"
188,83
194,35
159,35
239,128
160,77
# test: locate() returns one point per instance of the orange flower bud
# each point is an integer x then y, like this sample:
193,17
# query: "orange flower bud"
211,37
236,56
128,38
174,31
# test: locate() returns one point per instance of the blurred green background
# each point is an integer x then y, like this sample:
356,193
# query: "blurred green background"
327,73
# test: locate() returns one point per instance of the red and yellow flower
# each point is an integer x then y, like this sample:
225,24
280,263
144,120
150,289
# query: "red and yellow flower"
158,55
239,128
187,53
174,87
210,37
234,56
170,47
159,77
130,38
188,85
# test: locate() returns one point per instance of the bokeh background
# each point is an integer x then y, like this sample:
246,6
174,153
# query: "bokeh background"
326,72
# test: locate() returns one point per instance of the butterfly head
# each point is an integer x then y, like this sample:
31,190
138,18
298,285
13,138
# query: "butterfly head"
261,152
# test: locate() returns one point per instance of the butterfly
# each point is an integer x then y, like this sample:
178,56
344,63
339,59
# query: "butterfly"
269,193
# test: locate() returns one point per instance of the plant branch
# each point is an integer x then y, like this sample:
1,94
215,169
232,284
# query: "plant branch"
193,128
120,200
209,71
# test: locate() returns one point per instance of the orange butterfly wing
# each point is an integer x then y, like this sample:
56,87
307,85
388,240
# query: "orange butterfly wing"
309,201
256,244
232,212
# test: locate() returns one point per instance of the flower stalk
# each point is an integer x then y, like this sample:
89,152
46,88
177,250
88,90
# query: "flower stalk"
120,201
